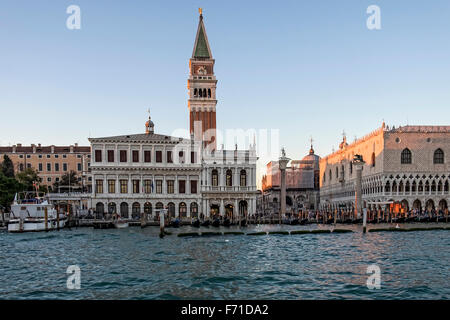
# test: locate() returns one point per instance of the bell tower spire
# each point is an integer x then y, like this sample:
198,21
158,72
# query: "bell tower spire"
202,89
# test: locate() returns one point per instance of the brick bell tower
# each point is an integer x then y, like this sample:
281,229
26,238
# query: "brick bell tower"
202,90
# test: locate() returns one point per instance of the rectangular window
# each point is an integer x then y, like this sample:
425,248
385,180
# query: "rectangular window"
148,186
79,166
193,157
181,157
110,155
170,186
147,156
135,156
159,156
98,155
56,166
123,155
28,165
112,186
123,186
181,186
169,157
64,166
158,186
40,166
135,186
193,186
49,167
99,186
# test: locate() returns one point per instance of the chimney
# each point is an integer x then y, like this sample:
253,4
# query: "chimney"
53,148
14,149
71,149
34,147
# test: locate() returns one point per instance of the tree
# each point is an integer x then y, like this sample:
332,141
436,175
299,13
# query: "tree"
27,178
67,180
7,167
8,188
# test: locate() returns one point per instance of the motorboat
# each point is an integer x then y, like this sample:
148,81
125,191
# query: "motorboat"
31,212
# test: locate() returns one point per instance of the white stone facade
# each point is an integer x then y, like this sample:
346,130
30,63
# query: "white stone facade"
409,166
142,173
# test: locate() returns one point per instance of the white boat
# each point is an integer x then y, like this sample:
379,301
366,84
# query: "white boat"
34,213
119,223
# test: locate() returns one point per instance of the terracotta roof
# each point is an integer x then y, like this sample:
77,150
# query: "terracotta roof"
46,149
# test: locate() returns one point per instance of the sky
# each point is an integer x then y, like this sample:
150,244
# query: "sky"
304,68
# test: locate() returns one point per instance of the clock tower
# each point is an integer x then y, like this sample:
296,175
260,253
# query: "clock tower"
202,90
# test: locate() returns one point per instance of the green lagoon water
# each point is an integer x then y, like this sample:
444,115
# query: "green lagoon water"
135,263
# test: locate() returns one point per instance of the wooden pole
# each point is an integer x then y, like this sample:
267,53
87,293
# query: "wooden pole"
46,218
161,224
364,220
143,219
57,220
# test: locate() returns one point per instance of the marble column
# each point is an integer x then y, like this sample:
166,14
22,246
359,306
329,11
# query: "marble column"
283,161
358,187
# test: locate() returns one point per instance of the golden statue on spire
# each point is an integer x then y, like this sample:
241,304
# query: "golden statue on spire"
200,10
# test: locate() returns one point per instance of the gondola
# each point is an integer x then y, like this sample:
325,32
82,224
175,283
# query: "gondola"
205,223
216,223
330,221
356,221
196,223
348,221
401,220
243,223
294,222
442,219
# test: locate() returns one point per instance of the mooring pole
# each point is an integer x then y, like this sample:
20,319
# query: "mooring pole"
161,224
46,218
143,219
57,220
364,220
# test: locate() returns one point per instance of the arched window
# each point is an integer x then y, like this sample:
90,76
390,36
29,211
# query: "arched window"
438,157
171,209
148,208
135,210
337,172
209,93
182,209
159,206
406,157
229,178
243,178
373,159
100,207
214,178
195,92
329,173
200,93
351,167
124,210
204,93
194,210
112,208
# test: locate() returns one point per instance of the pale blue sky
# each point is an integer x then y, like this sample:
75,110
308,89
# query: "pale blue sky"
303,67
